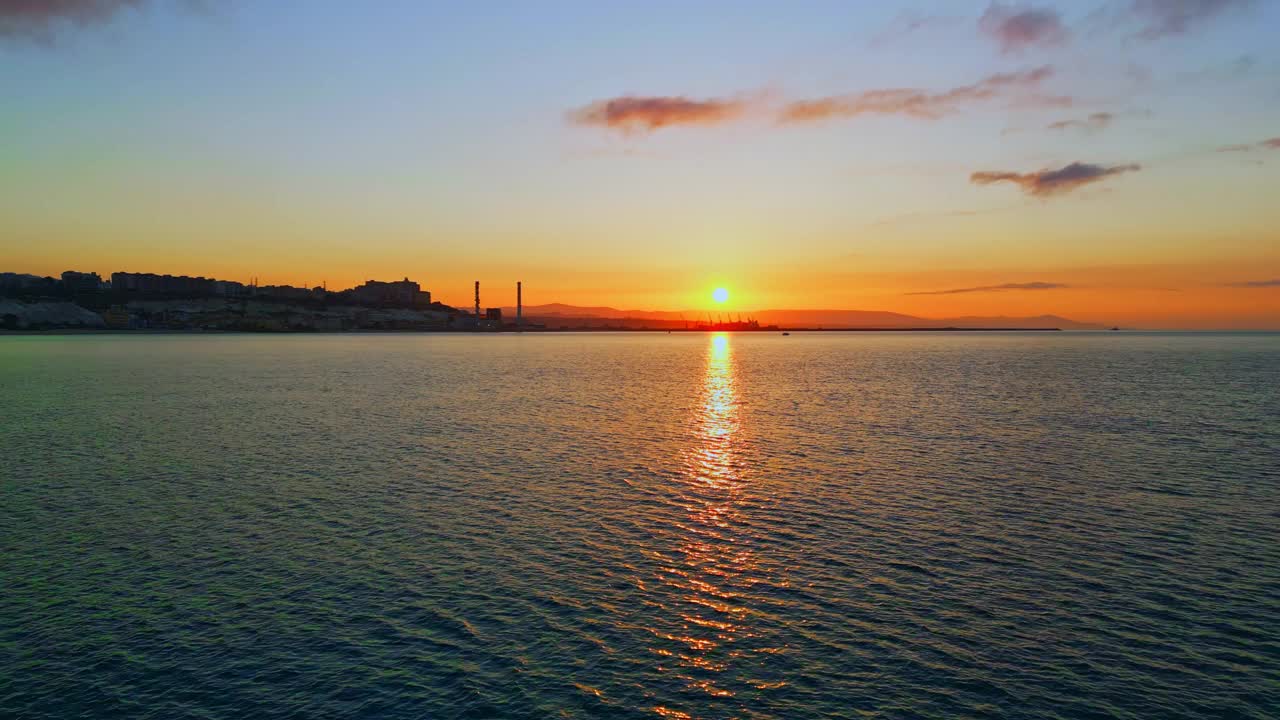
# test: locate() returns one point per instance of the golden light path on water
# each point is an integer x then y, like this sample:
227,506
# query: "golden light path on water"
714,566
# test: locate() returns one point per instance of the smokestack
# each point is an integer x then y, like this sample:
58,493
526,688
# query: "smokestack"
519,305
477,301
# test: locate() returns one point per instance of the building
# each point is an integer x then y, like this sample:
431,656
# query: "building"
22,281
229,288
162,284
81,282
284,292
127,282
493,317
400,293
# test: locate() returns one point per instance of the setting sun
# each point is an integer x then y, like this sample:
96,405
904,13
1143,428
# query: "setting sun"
720,295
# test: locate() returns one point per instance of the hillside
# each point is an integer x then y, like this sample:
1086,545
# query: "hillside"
560,314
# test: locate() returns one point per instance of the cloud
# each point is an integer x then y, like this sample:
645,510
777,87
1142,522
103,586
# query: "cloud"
1019,28
996,288
1096,121
36,19
922,103
1256,284
1162,18
1271,144
630,113
1048,183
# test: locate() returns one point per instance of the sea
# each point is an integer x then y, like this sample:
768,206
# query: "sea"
640,525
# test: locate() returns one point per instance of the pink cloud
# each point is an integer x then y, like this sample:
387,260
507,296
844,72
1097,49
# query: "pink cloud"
631,113
1017,28
922,103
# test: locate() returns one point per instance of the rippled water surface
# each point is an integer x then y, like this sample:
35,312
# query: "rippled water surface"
648,526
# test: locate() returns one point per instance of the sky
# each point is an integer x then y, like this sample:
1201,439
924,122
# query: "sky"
1112,161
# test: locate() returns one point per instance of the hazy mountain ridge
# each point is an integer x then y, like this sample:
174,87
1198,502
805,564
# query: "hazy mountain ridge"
562,313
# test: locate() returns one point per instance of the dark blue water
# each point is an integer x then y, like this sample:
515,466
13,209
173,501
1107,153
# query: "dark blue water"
647,526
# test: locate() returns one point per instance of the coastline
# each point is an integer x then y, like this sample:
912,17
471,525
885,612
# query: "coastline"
517,331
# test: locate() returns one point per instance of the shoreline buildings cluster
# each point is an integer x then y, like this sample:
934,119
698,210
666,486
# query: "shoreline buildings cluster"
152,301
397,293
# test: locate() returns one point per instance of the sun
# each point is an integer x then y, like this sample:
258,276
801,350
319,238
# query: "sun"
720,295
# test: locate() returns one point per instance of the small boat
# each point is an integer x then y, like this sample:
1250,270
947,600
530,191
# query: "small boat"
1115,329
786,333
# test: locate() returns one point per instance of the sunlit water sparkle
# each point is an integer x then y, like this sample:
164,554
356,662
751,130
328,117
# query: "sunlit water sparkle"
648,526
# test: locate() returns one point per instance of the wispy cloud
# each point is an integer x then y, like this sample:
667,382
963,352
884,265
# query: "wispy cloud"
1162,18
1016,28
632,113
1094,122
995,288
1256,283
36,19
1270,144
1048,183
922,103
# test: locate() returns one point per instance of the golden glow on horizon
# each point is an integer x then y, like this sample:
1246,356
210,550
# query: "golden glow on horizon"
720,295
1186,292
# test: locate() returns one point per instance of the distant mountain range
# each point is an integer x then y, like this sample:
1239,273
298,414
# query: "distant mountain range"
559,314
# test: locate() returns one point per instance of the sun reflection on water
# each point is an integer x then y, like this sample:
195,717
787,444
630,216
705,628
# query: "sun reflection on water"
713,567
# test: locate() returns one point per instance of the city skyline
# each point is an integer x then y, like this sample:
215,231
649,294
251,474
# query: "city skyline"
1111,164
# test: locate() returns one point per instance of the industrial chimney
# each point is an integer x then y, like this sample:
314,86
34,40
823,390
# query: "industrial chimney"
519,306
477,301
